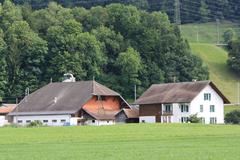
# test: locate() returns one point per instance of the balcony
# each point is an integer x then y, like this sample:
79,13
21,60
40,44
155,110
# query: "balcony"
167,112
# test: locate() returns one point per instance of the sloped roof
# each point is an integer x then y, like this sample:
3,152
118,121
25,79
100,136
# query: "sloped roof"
176,92
102,114
66,97
6,108
131,113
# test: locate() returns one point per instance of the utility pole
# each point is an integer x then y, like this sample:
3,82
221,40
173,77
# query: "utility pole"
238,93
218,31
197,35
177,14
135,92
17,111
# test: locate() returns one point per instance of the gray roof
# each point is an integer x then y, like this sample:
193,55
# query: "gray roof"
176,92
60,98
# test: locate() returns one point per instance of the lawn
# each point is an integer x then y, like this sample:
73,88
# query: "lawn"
122,142
215,58
207,32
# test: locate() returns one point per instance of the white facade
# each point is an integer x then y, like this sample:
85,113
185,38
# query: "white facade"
216,101
50,120
3,121
99,122
199,105
58,120
147,119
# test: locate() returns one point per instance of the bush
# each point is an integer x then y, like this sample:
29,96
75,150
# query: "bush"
35,124
233,117
194,119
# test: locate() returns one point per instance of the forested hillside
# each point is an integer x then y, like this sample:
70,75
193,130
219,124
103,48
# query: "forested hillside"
119,45
191,10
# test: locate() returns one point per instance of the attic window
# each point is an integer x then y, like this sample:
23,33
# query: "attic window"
101,98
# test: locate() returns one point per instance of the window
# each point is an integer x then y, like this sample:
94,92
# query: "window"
202,120
54,121
212,108
107,121
213,120
28,121
143,121
63,120
201,108
207,96
19,121
93,121
45,121
184,119
184,108
168,108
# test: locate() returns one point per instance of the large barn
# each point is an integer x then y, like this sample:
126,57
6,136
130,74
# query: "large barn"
72,103
175,102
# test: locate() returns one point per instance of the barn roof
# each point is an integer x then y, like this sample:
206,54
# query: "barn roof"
131,113
6,108
64,97
182,92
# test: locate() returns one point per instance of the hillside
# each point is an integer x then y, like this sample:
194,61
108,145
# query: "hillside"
215,58
207,32
122,142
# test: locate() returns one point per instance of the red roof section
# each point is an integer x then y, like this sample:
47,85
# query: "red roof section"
6,108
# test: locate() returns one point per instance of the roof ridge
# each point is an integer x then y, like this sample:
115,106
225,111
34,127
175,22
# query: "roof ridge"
208,81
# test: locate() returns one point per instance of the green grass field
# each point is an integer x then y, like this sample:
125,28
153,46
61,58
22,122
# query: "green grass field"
122,142
207,32
215,58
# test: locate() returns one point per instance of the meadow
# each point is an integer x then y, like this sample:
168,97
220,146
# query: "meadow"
215,58
207,32
122,142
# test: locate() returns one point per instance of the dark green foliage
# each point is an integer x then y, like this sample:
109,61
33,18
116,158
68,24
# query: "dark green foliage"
191,10
36,123
121,46
233,117
194,119
229,35
234,55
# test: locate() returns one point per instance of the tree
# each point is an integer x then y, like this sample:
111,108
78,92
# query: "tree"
233,117
229,35
3,66
9,14
129,63
234,55
204,12
25,58
73,51
194,119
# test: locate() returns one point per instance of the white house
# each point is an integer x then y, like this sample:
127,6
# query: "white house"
71,103
175,102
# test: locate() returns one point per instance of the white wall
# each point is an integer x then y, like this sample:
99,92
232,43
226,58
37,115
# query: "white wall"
3,121
44,117
99,122
177,114
147,119
216,100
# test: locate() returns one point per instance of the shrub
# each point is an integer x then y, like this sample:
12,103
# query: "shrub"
35,124
194,119
233,117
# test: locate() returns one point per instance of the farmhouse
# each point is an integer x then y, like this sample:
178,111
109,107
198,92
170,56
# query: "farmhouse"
175,102
72,103
4,110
